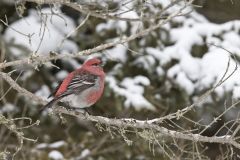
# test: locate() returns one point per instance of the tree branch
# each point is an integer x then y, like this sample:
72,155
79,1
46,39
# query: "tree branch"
125,122
78,7
36,60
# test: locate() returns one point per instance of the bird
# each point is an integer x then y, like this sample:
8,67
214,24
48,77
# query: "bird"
81,88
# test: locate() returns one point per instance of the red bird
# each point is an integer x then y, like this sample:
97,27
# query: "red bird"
82,87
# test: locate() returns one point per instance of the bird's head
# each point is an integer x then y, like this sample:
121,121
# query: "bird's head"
93,62
93,65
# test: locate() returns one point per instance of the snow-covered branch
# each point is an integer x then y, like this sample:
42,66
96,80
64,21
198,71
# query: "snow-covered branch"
36,60
169,78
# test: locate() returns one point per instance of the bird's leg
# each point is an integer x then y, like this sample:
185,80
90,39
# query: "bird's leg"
86,112
83,111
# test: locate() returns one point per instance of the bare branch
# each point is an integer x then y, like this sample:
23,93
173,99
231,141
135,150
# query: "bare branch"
125,122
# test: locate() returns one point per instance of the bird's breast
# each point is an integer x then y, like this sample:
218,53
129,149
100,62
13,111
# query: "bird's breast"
95,92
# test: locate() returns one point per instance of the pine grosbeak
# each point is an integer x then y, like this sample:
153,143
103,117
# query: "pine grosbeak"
82,87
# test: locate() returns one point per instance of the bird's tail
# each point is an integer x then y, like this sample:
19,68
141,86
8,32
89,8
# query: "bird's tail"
49,104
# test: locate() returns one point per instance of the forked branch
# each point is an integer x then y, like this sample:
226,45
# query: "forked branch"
125,122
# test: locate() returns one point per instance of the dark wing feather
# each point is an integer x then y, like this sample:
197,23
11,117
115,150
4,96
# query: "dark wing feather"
79,83
55,89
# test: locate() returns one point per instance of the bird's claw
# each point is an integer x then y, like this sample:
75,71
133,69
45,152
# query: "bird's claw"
85,113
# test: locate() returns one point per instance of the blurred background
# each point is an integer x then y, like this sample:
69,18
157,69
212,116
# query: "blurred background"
149,77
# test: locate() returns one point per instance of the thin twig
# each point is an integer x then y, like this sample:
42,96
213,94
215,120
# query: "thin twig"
125,123
43,59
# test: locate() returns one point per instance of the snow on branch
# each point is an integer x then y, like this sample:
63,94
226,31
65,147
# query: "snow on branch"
36,60
155,125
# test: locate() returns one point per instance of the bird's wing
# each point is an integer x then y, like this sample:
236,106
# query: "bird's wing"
79,83
55,89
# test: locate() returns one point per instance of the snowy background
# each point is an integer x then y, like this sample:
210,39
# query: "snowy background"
151,76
